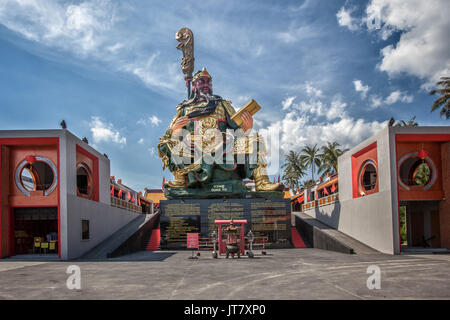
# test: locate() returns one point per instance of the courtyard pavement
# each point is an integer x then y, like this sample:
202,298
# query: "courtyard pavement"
291,274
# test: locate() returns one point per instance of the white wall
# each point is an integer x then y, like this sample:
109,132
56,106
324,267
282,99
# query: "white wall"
368,218
104,220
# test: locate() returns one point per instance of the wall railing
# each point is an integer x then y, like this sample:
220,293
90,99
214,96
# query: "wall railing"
321,202
119,203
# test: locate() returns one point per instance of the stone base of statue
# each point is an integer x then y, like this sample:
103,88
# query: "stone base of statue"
227,189
266,217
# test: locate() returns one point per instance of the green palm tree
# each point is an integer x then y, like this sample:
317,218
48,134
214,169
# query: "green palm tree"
444,99
293,170
329,158
307,183
402,123
310,158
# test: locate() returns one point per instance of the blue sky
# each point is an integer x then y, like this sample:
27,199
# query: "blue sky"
319,69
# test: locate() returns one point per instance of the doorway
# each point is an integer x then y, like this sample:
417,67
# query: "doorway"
35,230
419,224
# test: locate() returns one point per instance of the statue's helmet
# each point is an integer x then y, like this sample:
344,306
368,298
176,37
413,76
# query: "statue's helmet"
201,73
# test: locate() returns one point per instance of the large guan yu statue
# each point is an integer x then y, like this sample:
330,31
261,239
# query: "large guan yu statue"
206,161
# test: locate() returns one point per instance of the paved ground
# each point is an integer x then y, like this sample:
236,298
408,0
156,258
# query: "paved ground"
282,274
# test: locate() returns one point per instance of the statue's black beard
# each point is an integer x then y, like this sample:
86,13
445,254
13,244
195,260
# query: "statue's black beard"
209,97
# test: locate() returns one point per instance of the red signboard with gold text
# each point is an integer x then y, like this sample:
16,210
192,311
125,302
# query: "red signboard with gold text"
192,240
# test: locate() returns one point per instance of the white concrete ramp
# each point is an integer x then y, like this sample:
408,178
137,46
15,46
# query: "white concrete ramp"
101,251
321,236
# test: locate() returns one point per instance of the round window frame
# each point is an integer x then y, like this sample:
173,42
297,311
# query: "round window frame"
33,175
431,165
21,167
361,189
85,167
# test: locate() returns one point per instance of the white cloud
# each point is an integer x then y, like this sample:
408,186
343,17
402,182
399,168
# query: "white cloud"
141,141
296,131
359,87
90,29
153,120
150,71
375,101
79,28
152,151
286,103
312,91
398,96
345,19
422,50
105,132
337,108
294,35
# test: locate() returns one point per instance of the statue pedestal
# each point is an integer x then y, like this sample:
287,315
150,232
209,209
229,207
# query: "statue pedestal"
228,189
270,217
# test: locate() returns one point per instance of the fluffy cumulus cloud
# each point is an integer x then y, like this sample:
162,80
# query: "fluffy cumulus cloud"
345,19
105,132
359,87
395,96
153,121
398,96
317,121
422,49
286,103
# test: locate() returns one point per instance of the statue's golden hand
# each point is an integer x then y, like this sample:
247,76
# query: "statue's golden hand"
247,121
179,123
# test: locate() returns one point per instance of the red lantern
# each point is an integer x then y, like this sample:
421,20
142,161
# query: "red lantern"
132,199
120,193
112,190
30,159
422,154
129,196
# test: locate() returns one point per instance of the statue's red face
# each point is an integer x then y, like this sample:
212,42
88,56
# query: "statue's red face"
204,85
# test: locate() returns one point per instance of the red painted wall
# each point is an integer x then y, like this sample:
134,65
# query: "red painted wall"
444,205
92,162
358,159
405,146
12,152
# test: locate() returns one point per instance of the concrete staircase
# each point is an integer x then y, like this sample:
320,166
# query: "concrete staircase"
155,238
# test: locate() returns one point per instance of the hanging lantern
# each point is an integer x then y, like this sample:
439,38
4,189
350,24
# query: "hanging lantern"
129,196
112,190
120,193
422,154
30,159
